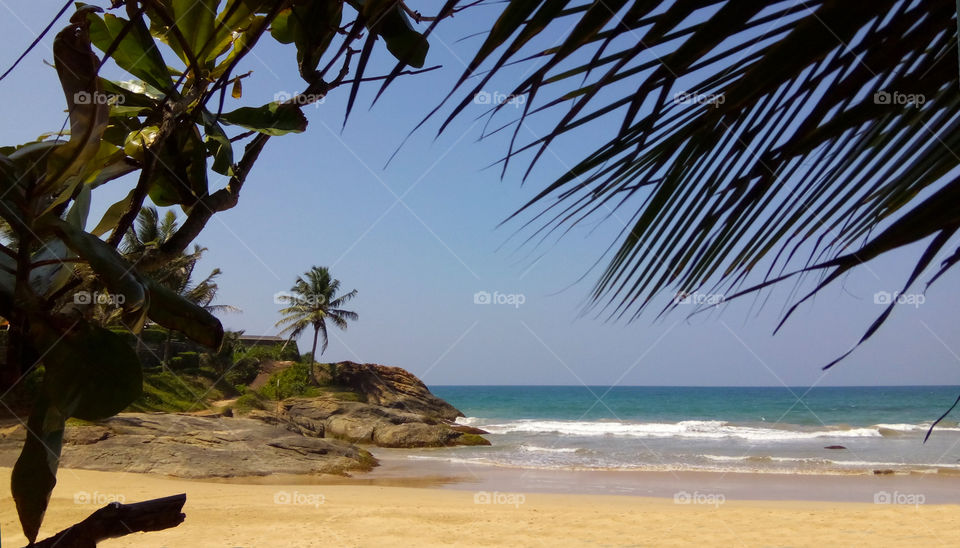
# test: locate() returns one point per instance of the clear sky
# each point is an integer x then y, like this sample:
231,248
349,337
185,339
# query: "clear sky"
420,238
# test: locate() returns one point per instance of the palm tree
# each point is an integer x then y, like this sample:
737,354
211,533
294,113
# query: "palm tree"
783,138
314,300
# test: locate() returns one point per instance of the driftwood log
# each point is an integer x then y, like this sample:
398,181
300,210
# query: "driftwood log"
117,520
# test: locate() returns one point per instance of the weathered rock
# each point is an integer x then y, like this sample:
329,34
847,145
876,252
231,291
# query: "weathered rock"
191,446
358,422
391,387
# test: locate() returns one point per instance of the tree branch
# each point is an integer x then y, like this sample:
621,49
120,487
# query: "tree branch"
116,520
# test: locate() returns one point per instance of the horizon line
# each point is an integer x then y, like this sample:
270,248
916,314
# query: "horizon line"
702,386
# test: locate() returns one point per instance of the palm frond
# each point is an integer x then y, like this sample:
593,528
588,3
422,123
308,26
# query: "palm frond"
313,301
783,137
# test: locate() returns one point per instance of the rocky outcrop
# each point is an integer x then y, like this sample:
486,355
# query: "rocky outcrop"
359,403
384,386
358,422
374,404
189,446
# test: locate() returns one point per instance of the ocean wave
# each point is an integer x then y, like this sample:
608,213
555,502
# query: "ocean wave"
683,429
537,449
769,459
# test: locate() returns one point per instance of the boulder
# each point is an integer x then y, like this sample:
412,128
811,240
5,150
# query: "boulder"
385,386
356,422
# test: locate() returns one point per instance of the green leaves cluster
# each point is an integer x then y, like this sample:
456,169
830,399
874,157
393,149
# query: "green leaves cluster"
168,126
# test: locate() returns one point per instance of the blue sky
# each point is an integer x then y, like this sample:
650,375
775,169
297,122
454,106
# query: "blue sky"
419,238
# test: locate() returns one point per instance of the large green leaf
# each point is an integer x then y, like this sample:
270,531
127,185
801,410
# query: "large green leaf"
237,22
110,218
89,372
35,473
77,68
311,26
272,118
174,312
141,293
48,278
195,19
137,53
115,271
406,44
218,145
180,175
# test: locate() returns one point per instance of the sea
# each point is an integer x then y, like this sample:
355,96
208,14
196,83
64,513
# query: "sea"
820,430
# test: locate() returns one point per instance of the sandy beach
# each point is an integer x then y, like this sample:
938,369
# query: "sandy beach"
230,515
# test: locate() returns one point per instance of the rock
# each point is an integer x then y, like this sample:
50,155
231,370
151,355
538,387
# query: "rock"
374,404
391,387
191,446
468,429
834,447
358,422
886,472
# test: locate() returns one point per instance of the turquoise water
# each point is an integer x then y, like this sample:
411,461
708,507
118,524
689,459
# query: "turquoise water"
695,428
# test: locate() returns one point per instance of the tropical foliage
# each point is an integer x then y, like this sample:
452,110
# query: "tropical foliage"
163,128
738,137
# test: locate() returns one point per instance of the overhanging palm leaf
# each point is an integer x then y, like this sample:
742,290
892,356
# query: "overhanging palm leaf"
783,136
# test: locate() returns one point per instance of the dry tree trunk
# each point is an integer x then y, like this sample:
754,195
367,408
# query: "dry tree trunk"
117,520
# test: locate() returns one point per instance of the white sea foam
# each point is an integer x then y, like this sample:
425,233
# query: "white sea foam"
903,427
536,449
683,429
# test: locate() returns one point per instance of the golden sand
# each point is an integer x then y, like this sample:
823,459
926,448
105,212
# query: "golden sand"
229,515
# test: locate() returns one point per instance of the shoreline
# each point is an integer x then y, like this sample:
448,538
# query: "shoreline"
397,470
231,514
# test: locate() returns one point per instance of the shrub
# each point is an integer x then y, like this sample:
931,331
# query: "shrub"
292,381
169,392
247,403
190,360
259,352
243,371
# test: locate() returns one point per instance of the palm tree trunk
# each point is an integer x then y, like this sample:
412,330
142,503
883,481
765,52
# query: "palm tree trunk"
313,355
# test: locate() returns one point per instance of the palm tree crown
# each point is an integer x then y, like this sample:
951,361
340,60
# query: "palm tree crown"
312,301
